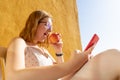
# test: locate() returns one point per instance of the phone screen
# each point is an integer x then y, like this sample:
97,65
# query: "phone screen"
92,42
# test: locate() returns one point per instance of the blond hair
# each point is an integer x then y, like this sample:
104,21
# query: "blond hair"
32,22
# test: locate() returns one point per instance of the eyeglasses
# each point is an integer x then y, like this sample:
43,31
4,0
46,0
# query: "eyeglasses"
47,24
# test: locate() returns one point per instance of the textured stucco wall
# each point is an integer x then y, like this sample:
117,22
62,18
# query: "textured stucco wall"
13,14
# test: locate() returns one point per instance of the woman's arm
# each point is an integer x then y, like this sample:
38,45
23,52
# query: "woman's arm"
15,65
58,51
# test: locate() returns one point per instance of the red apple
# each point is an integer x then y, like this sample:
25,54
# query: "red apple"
54,38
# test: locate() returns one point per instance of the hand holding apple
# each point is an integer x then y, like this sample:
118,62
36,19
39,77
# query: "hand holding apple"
54,38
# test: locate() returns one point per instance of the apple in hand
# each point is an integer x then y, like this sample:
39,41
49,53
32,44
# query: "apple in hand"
54,38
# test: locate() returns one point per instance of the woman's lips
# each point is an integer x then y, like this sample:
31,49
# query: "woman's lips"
46,34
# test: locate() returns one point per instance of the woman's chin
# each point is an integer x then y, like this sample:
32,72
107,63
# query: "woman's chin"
42,40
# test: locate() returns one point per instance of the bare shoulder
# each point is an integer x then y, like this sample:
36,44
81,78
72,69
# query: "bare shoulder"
17,44
15,55
17,41
15,51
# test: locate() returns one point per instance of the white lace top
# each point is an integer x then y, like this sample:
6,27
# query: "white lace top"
34,57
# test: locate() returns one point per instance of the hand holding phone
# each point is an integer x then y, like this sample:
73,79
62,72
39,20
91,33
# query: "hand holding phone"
92,42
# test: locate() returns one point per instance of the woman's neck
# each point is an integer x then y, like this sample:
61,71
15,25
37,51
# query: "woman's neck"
31,44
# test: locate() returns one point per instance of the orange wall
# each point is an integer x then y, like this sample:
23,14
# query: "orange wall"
13,14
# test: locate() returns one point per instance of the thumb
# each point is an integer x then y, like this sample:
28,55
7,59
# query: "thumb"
89,50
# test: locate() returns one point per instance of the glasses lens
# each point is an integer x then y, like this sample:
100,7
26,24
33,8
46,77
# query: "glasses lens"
49,26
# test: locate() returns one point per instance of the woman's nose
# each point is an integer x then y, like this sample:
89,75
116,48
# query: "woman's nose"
50,29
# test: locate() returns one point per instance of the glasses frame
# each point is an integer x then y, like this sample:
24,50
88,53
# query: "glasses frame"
48,24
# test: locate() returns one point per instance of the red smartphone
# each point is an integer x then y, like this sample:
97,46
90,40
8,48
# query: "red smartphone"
92,42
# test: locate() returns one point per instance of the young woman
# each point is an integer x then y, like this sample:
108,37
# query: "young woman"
26,60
